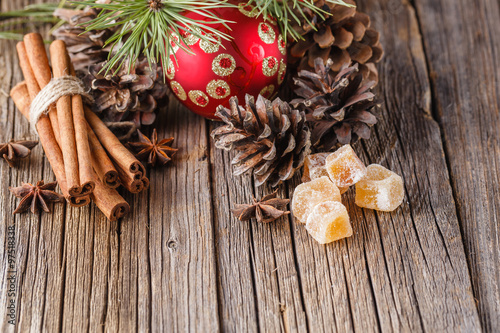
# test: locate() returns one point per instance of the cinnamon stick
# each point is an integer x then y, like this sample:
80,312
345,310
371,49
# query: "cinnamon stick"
109,201
39,63
65,119
87,175
80,201
131,171
21,96
103,166
74,143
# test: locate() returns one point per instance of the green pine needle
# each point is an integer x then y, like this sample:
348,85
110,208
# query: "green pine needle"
35,10
147,26
287,11
11,35
36,14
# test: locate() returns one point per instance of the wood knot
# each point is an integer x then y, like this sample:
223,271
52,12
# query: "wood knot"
172,244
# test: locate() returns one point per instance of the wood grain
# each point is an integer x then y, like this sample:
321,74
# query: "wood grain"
466,95
181,235
181,262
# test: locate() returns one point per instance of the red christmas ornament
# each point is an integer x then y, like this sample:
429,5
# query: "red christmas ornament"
253,62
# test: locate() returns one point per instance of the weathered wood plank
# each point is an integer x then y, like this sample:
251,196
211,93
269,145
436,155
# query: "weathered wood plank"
407,138
259,283
9,291
462,42
238,312
276,271
181,235
38,239
430,250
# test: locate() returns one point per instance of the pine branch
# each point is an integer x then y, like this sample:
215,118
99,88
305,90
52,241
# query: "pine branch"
35,10
287,11
36,14
154,27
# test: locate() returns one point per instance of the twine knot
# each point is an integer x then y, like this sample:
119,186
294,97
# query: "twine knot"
55,89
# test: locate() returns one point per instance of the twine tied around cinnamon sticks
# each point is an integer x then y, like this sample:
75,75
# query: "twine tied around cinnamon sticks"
57,87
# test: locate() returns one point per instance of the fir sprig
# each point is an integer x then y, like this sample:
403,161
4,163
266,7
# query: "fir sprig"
43,10
154,27
36,14
287,11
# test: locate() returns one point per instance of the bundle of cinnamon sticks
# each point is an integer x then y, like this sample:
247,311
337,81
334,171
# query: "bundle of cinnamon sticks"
89,162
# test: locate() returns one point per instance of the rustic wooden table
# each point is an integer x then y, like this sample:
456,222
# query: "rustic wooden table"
181,262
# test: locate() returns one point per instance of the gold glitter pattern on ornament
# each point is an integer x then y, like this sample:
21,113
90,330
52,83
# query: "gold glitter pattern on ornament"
174,42
266,33
269,66
198,97
178,90
248,10
218,89
224,64
267,91
281,71
189,38
210,47
281,45
170,70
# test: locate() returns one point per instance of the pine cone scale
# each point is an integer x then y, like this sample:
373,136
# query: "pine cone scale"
339,109
276,138
343,36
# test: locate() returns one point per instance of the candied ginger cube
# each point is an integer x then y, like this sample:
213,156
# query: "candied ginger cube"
308,195
314,167
344,167
381,189
329,222
343,189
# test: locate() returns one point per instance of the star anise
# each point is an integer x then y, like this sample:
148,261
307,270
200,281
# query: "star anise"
13,150
268,209
34,196
153,150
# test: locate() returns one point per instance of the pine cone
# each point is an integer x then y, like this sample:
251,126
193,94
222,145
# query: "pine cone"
339,108
123,96
84,47
272,138
344,36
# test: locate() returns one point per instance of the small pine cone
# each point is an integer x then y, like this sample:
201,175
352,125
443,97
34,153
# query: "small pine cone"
339,108
121,96
84,47
345,36
271,138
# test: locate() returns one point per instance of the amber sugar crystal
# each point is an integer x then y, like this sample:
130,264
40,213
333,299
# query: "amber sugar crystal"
308,195
314,167
381,189
343,189
344,167
329,222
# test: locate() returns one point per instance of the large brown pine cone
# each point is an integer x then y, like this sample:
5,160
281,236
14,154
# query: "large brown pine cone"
339,108
345,36
272,138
